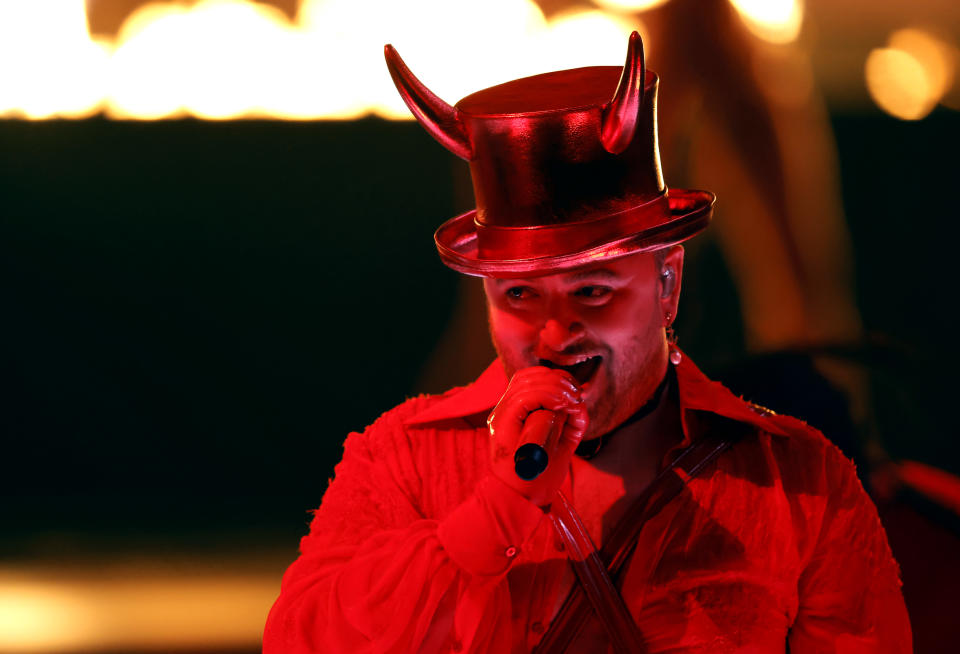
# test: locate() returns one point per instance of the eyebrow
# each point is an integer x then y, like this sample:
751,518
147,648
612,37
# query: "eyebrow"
593,273
577,276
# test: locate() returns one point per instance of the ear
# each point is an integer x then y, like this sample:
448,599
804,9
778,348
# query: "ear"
671,273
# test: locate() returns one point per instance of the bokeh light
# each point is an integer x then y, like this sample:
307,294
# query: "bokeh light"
898,84
630,5
138,610
42,617
606,33
228,59
776,21
214,60
909,77
49,65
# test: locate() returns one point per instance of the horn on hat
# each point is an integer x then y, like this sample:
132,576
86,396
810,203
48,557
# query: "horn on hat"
439,118
621,115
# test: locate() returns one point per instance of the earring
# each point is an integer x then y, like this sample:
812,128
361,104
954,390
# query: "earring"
675,355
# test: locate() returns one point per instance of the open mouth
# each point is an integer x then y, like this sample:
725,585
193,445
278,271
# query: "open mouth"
582,371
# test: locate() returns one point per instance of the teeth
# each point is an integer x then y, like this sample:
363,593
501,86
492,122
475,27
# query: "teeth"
578,359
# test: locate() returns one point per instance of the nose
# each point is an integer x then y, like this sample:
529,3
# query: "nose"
558,335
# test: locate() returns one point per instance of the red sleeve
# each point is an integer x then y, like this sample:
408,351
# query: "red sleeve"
374,575
850,598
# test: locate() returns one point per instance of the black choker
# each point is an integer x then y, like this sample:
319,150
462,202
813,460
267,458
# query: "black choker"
591,448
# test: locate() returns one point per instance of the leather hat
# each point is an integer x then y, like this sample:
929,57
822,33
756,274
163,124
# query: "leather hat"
565,167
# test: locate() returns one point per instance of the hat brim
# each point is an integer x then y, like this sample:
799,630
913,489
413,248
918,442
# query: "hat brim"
690,213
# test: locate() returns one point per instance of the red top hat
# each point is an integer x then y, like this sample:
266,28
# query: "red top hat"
565,167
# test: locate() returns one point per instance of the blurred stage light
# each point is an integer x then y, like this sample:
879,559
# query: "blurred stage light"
630,5
49,65
605,36
776,21
212,61
938,58
909,77
898,84
226,59
42,617
139,611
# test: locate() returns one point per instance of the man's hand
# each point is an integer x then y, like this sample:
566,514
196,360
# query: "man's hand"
529,390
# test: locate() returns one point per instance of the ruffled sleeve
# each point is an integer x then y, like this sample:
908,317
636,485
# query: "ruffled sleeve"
376,575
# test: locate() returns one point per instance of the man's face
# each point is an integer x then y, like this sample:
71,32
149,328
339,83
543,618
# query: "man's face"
603,324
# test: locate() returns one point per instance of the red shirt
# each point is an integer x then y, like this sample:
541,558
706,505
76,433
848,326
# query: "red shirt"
417,548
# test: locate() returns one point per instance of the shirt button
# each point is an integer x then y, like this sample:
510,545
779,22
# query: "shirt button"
511,552
456,645
537,627
558,544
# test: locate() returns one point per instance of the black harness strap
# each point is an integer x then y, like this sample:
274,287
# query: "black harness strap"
598,572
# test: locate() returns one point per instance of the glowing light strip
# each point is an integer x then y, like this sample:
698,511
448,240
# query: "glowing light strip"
224,59
47,613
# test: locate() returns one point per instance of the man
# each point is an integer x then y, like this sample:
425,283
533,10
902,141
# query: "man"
467,521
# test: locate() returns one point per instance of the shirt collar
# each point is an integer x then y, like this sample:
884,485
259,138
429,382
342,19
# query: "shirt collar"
696,392
479,397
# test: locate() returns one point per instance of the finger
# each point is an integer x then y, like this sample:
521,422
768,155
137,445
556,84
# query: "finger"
542,428
545,386
539,374
528,397
507,422
551,383
555,434
547,390
574,428
518,406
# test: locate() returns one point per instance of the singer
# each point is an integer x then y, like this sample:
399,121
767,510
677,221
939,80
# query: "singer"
660,513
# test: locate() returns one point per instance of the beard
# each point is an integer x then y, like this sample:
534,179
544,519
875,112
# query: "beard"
627,384
623,382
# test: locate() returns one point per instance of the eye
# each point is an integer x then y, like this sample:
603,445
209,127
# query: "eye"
519,293
594,294
592,291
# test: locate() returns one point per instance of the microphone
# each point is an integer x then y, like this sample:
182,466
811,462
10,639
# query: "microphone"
531,459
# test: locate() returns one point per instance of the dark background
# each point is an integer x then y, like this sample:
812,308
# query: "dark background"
193,315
